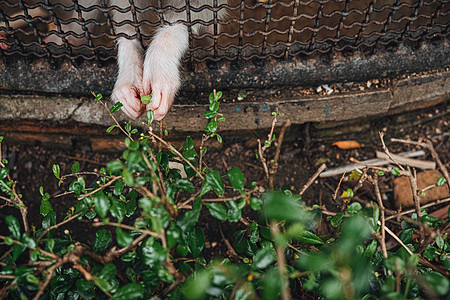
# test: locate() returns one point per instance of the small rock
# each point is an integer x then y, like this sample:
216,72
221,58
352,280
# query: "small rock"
328,90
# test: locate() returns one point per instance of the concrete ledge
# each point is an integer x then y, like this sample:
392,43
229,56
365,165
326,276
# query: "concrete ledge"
406,94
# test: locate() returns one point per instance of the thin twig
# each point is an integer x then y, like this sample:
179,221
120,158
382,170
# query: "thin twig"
227,243
274,167
409,211
429,145
49,276
312,179
114,178
263,159
386,150
58,225
416,198
172,148
128,227
392,234
382,216
245,195
338,187
114,118
281,259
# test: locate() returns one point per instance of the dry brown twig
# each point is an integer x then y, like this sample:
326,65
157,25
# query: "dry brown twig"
58,225
312,179
388,153
416,197
338,187
274,167
281,259
382,215
172,148
113,179
428,145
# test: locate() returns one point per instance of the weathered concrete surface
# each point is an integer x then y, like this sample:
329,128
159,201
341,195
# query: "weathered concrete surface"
407,94
46,75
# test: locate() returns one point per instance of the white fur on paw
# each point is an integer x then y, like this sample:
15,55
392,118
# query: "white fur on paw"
164,85
128,94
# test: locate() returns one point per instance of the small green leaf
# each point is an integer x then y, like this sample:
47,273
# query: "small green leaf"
264,258
46,207
128,177
406,235
56,171
210,114
13,226
371,249
197,286
395,171
236,178
219,138
116,107
211,127
28,242
130,291
217,210
98,97
255,203
75,167
195,240
150,116
110,128
4,173
440,181
218,96
102,203
337,219
123,238
212,178
214,106
114,166
438,283
354,208
32,279
146,99
309,238
102,240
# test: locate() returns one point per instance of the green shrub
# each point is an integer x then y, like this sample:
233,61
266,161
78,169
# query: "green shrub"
151,242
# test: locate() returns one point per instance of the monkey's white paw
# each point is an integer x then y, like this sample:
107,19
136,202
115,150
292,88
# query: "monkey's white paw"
129,95
163,89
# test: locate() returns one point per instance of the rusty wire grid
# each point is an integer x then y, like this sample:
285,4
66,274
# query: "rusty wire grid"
252,29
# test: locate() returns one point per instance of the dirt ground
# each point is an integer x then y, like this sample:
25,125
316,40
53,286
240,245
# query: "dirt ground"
305,148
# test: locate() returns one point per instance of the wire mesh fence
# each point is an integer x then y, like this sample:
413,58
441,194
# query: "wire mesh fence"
250,29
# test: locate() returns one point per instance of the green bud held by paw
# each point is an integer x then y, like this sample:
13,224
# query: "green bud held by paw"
146,99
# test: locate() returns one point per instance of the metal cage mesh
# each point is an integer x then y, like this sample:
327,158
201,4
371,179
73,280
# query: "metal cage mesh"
251,29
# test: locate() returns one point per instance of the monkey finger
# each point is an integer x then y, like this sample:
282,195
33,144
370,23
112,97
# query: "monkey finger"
163,109
156,100
146,88
127,94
